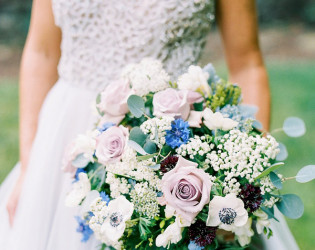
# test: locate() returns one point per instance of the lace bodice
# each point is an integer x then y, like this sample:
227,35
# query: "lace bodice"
99,37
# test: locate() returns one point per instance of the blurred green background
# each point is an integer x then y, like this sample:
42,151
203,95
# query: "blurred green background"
288,42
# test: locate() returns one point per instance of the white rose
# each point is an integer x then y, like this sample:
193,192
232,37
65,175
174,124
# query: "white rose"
216,121
79,191
171,235
196,80
244,233
262,221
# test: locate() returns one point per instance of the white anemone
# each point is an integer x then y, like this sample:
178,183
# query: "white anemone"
119,211
227,212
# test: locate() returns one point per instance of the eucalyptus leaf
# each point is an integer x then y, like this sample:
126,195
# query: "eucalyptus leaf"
306,174
80,161
138,136
248,111
150,147
257,125
268,170
291,206
283,154
136,147
294,127
276,181
146,157
270,212
136,105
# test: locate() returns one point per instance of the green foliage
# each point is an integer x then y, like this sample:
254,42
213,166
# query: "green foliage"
136,105
138,136
268,170
150,147
270,212
291,206
276,181
223,93
306,174
286,11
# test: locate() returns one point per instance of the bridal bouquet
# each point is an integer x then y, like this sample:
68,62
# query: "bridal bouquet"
177,165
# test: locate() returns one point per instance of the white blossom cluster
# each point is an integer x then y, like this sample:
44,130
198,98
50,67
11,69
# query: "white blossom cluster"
242,155
146,76
197,146
100,211
266,185
231,186
156,128
271,202
117,185
144,199
130,167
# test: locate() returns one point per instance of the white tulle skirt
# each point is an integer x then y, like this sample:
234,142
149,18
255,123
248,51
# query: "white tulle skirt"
42,221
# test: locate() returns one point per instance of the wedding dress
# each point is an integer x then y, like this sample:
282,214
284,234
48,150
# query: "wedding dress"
99,37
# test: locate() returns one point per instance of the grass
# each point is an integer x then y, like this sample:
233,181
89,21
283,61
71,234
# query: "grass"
8,126
292,85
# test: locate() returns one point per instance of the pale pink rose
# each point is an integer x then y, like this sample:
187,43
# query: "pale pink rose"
195,119
110,145
114,101
186,188
175,103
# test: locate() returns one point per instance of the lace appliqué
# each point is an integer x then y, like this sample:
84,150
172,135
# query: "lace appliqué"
99,37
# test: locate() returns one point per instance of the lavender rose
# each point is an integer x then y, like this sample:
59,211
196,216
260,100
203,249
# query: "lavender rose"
114,101
186,188
111,144
175,103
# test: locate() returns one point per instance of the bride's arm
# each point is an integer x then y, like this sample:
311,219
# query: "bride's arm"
38,74
238,25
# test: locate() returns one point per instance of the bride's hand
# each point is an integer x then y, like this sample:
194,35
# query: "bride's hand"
14,199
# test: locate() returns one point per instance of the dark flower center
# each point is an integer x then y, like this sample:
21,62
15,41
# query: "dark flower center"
227,215
115,219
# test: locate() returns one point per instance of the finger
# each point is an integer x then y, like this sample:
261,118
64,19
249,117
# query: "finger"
11,212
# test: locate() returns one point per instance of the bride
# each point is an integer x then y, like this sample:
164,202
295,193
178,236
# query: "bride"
90,41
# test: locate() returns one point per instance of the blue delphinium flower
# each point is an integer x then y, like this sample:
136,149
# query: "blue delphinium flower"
105,126
84,229
193,246
105,197
178,135
76,176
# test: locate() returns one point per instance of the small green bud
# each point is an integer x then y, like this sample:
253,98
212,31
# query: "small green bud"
162,223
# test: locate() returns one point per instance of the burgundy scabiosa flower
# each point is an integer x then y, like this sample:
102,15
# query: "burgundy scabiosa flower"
168,163
202,235
251,196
